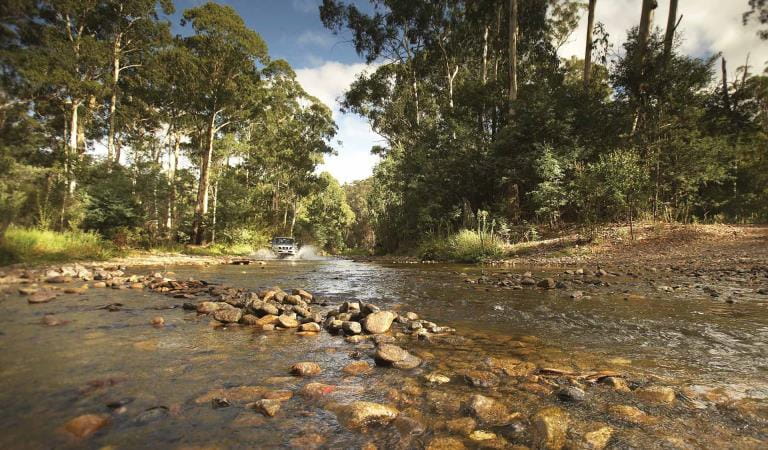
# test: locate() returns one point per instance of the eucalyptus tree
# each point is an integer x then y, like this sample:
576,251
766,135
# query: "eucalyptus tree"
132,30
220,83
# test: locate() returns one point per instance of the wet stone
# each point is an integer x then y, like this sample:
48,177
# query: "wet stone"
315,390
41,297
631,414
597,438
656,394
550,427
84,426
571,394
363,414
462,425
379,322
479,378
228,315
357,368
389,353
306,369
310,326
268,407
546,283
287,321
489,410
351,327
445,443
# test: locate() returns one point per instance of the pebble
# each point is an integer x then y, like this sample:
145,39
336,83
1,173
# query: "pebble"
550,427
157,321
86,425
268,407
362,414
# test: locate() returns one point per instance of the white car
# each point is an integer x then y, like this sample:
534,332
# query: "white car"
284,246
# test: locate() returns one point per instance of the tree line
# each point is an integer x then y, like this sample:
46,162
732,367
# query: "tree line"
110,123
482,118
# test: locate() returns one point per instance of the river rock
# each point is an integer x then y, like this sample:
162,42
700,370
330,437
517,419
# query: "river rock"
528,281
58,279
99,285
306,369
597,438
389,353
228,315
239,394
436,378
547,283
310,326
489,410
379,322
362,414
314,390
357,368
268,309
41,297
617,383
249,319
480,378
571,394
269,319
207,307
52,321
303,294
268,407
351,327
550,427
631,414
410,362
27,290
576,295
445,443
84,426
462,425
656,394
286,321
157,321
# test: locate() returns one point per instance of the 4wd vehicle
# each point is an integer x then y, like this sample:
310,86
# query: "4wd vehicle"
284,246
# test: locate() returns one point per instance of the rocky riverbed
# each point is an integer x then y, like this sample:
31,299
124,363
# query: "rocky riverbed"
375,356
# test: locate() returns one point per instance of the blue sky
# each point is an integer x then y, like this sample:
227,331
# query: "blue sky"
325,65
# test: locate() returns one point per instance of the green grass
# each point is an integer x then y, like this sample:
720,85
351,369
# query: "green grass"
220,250
34,246
464,246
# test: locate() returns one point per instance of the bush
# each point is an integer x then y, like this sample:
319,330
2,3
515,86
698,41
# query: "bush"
464,246
220,250
28,245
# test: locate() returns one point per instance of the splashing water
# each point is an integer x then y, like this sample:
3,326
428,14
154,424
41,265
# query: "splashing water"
309,252
264,253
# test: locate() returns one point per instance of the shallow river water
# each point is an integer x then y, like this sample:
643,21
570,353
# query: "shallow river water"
149,381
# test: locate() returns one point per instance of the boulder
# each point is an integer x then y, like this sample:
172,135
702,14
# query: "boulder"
207,307
389,353
310,326
550,427
379,322
351,327
269,319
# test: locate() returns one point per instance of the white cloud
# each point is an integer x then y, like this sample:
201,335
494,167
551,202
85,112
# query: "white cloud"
316,38
305,6
328,82
708,27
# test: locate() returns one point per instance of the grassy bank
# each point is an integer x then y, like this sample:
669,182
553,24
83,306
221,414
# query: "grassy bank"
464,246
33,246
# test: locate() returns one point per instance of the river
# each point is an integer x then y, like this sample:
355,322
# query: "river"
150,382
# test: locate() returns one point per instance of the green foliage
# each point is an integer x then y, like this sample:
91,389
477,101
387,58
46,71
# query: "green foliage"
325,216
464,246
33,246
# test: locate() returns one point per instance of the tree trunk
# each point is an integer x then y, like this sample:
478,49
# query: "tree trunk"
512,53
72,147
293,219
669,37
201,207
588,51
726,96
646,21
111,151
485,55
173,164
215,204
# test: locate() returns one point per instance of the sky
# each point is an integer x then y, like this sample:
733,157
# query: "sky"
326,64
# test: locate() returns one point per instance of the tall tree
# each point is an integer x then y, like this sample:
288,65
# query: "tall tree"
226,53
131,27
758,8
588,51
513,13
669,36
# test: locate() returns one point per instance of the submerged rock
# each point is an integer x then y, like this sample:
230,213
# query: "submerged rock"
306,369
41,297
445,443
357,368
84,426
550,427
268,407
656,394
363,414
571,394
388,353
631,414
480,378
489,410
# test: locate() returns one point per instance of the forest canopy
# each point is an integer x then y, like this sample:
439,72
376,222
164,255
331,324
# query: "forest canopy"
206,138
